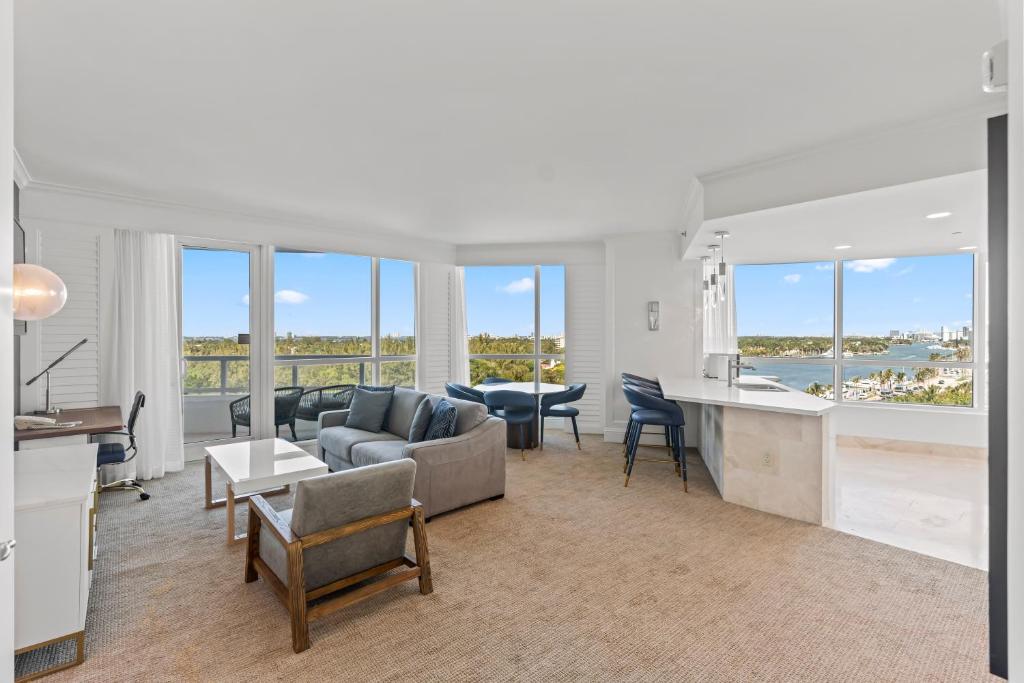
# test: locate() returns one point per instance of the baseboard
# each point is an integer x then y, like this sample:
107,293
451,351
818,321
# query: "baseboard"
944,450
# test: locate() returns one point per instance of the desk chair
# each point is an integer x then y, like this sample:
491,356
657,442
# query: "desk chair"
117,453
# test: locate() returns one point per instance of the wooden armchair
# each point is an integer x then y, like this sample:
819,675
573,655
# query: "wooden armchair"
345,529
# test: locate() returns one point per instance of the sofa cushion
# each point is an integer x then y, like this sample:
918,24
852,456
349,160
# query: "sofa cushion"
420,421
388,388
338,442
369,409
470,413
376,452
442,421
403,408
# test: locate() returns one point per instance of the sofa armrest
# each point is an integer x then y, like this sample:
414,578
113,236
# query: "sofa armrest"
332,418
458,447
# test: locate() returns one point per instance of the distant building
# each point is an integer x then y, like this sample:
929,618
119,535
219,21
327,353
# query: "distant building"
966,333
944,334
895,334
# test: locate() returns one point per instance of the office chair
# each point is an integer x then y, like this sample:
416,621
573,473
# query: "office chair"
117,453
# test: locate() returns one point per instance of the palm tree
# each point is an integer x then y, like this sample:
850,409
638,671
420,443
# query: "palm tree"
887,377
901,377
814,389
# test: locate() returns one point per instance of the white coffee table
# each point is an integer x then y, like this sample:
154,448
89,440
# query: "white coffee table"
266,466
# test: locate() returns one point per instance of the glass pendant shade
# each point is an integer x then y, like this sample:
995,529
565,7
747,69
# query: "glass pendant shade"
38,292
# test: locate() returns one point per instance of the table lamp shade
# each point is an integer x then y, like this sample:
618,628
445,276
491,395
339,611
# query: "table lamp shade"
38,292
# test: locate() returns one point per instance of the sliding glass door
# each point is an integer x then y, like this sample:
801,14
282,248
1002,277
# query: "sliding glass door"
216,289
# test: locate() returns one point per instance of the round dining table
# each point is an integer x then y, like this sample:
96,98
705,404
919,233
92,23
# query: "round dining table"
536,389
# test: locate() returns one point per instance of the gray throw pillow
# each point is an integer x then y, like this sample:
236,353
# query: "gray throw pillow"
388,388
420,421
368,409
442,421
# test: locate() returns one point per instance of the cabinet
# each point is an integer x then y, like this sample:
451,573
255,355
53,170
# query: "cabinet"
55,506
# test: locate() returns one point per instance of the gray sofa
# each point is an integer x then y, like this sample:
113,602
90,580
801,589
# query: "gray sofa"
450,473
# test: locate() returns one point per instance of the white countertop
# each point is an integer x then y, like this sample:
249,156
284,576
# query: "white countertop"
678,387
48,476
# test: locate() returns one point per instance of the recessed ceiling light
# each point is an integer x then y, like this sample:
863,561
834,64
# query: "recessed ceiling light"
970,248
940,214
840,247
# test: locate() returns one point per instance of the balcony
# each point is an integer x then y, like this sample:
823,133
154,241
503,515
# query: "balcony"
211,383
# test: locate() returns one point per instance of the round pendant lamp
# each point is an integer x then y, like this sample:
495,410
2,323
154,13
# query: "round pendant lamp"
38,292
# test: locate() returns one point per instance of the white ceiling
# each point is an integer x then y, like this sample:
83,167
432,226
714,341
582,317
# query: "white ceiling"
467,121
875,224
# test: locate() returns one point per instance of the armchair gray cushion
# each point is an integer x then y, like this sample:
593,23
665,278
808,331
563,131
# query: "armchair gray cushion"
333,500
403,408
369,409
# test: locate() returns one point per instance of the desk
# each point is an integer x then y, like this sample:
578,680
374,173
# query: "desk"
94,421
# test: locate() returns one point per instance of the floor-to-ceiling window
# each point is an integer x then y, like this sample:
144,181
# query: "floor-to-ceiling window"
341,319
885,330
215,293
515,317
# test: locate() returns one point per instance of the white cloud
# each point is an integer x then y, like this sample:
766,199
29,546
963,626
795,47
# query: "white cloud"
792,279
283,296
290,296
870,265
520,286
825,266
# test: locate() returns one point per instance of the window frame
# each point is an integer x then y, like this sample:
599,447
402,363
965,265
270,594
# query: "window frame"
536,356
839,364
375,358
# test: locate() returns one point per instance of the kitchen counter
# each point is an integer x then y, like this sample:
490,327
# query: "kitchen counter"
768,450
718,392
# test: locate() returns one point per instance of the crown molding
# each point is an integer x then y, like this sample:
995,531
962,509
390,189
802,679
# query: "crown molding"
102,208
21,175
984,110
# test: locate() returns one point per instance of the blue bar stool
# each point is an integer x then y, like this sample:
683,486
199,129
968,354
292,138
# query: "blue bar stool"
647,386
653,410
515,408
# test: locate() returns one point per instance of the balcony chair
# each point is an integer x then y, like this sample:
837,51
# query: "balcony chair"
117,453
554,405
652,410
346,529
515,408
320,399
286,405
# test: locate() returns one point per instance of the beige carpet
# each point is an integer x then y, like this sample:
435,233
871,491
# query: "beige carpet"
571,578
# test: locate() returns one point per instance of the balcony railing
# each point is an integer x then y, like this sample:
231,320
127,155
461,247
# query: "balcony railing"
220,383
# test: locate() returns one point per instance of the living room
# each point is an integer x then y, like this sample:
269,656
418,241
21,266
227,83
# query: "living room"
554,342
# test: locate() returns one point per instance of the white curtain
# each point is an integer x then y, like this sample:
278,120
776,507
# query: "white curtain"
720,313
140,346
459,336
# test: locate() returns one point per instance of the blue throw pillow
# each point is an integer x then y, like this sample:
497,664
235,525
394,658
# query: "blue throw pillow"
442,422
389,389
420,421
368,410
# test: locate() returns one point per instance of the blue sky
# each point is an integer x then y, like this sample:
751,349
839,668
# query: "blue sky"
315,294
879,295
499,300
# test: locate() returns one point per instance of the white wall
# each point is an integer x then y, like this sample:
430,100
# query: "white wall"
6,336
929,149
642,268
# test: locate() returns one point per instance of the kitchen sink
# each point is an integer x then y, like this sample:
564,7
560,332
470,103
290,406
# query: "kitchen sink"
745,386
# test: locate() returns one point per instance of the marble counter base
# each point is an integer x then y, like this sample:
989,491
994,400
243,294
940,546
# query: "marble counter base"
774,462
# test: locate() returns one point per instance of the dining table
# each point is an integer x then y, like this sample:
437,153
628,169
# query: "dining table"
536,389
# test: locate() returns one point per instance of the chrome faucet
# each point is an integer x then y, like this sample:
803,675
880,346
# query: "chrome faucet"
737,365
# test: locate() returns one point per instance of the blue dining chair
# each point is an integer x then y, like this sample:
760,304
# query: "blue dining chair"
555,405
464,392
515,408
637,379
495,380
652,410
